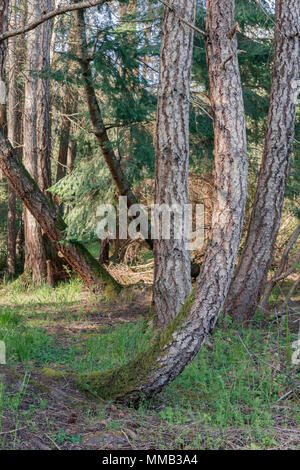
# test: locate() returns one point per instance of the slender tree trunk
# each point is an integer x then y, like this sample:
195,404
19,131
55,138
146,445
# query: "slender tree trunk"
69,107
151,371
92,273
43,120
104,251
64,138
11,231
3,51
252,270
12,129
100,131
172,266
35,255
71,156
37,139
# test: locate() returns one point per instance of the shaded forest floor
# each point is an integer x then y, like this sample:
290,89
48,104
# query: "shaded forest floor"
241,391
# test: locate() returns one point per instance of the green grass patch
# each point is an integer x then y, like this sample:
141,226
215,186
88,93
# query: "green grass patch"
235,383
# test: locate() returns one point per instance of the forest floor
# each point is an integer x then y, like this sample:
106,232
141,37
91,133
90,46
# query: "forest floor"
241,392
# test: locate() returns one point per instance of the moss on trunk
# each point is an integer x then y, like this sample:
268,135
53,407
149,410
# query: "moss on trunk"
128,382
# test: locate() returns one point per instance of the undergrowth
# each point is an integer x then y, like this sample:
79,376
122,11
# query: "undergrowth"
235,381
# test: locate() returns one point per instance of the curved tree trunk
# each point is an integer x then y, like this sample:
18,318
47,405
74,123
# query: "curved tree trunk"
91,272
114,165
172,265
148,373
252,270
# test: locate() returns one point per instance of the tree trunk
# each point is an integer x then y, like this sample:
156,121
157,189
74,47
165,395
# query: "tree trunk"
252,270
37,141
104,251
100,131
151,371
69,107
12,130
64,137
3,50
172,266
35,255
43,120
91,272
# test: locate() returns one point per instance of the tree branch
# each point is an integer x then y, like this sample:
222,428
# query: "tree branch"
51,14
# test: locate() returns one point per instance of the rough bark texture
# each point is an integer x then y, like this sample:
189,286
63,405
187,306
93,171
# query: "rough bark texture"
251,273
46,16
3,51
281,272
72,151
35,255
172,266
104,251
113,163
12,128
180,342
69,107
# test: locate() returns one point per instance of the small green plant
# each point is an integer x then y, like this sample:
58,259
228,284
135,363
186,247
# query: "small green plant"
61,436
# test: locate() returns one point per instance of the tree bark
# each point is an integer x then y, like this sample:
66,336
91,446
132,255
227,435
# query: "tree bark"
41,208
12,128
37,140
151,371
72,151
172,266
69,107
51,223
3,51
114,165
64,138
252,270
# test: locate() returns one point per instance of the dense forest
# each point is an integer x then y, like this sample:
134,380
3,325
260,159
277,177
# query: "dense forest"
149,225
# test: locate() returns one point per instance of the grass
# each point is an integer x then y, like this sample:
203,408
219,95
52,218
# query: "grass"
234,384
